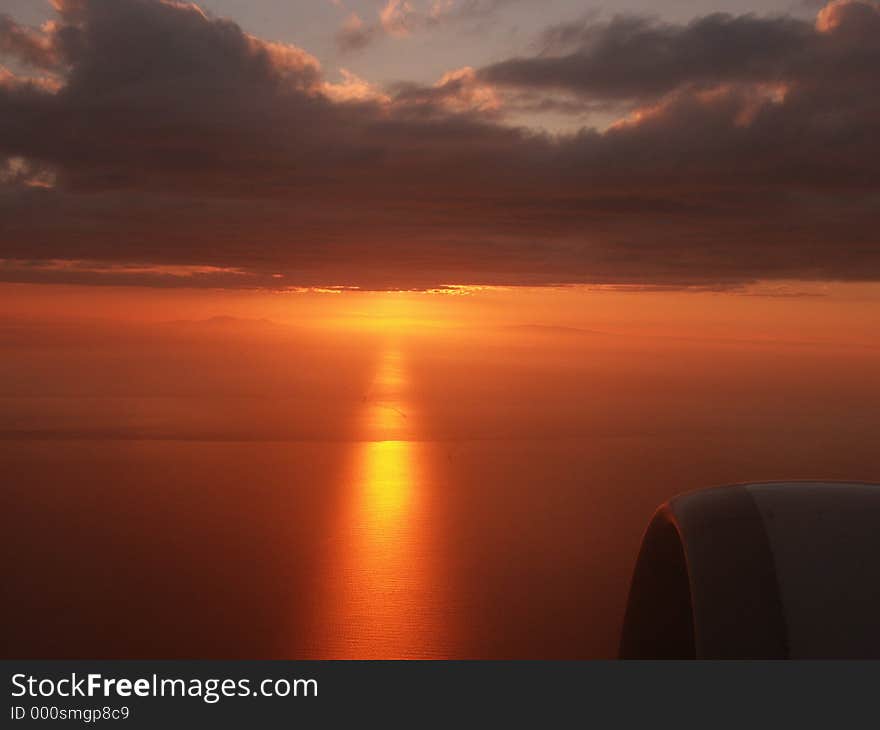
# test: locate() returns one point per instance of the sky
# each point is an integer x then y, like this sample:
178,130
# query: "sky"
419,145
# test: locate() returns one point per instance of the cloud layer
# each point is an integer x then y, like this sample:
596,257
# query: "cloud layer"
402,18
151,135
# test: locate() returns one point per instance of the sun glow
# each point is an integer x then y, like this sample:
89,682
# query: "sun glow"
394,312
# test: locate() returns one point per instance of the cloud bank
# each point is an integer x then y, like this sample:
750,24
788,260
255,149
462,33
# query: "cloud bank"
151,135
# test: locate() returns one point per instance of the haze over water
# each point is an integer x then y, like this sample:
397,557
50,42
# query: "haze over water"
392,485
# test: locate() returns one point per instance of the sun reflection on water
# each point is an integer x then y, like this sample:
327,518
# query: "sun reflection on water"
387,483
380,582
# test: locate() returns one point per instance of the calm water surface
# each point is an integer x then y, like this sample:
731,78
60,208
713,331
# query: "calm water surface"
492,515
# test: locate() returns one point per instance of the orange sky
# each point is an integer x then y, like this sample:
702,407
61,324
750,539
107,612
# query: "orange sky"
790,311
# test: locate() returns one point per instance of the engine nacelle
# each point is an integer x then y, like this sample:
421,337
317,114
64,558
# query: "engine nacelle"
759,571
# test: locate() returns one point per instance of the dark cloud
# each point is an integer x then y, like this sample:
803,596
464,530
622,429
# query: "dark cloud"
178,150
636,58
